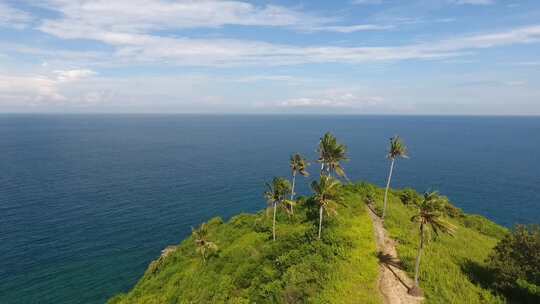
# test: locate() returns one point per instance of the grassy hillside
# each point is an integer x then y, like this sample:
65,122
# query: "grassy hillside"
298,268
450,266
250,268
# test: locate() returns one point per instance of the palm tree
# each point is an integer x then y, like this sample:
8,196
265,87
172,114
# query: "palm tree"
298,165
275,194
397,149
429,218
331,153
325,195
204,247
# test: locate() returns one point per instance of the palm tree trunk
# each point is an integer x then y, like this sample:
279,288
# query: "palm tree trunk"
274,223
417,266
387,186
320,221
322,168
292,190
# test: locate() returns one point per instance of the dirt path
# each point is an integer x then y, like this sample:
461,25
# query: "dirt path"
393,282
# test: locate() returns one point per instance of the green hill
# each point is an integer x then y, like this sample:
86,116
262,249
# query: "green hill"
342,267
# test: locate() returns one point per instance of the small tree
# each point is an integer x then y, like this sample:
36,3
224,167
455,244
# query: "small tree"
275,194
429,218
515,264
325,194
298,165
204,247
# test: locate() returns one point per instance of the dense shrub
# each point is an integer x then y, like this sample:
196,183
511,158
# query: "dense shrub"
453,211
409,196
515,264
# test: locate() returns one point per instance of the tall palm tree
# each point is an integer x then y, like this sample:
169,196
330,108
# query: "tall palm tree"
429,218
397,150
298,165
331,154
325,194
275,194
204,246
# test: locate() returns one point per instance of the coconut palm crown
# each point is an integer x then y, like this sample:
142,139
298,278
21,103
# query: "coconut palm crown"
397,148
331,154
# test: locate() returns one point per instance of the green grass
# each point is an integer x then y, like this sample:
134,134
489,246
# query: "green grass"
450,266
250,268
341,268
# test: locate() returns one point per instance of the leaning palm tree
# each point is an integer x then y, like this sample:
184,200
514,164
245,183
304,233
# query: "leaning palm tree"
397,149
298,165
325,194
331,154
204,247
275,194
429,218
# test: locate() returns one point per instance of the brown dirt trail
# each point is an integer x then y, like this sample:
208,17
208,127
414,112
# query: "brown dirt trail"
394,283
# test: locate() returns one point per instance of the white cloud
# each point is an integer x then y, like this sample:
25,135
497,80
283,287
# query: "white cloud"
73,75
265,78
145,16
352,28
136,16
36,89
12,17
28,89
132,48
131,28
528,63
473,2
142,16
366,2
333,99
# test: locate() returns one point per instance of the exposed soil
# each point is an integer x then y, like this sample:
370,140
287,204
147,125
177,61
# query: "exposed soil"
394,283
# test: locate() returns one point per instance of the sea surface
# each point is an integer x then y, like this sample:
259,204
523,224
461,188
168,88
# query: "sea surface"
87,201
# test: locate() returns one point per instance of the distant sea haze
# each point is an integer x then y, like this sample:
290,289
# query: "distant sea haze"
87,201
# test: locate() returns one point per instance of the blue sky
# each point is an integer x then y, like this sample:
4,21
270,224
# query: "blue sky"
473,57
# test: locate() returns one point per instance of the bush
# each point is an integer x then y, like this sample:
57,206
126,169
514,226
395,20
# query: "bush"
453,211
515,264
409,196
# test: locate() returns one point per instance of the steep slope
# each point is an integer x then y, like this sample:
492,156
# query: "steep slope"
343,267
249,267
451,267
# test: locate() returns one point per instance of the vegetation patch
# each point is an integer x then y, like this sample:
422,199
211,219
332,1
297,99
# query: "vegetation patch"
248,267
450,264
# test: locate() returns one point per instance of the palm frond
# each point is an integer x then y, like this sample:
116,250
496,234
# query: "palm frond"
430,215
397,148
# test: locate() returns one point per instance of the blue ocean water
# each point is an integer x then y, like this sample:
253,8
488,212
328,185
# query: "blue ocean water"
87,201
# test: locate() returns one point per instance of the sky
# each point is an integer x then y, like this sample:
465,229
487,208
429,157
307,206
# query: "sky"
417,57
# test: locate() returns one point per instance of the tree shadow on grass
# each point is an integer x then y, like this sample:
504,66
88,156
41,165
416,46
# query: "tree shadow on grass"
390,262
482,276
478,274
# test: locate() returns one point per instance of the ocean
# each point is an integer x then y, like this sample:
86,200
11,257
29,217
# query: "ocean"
87,201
